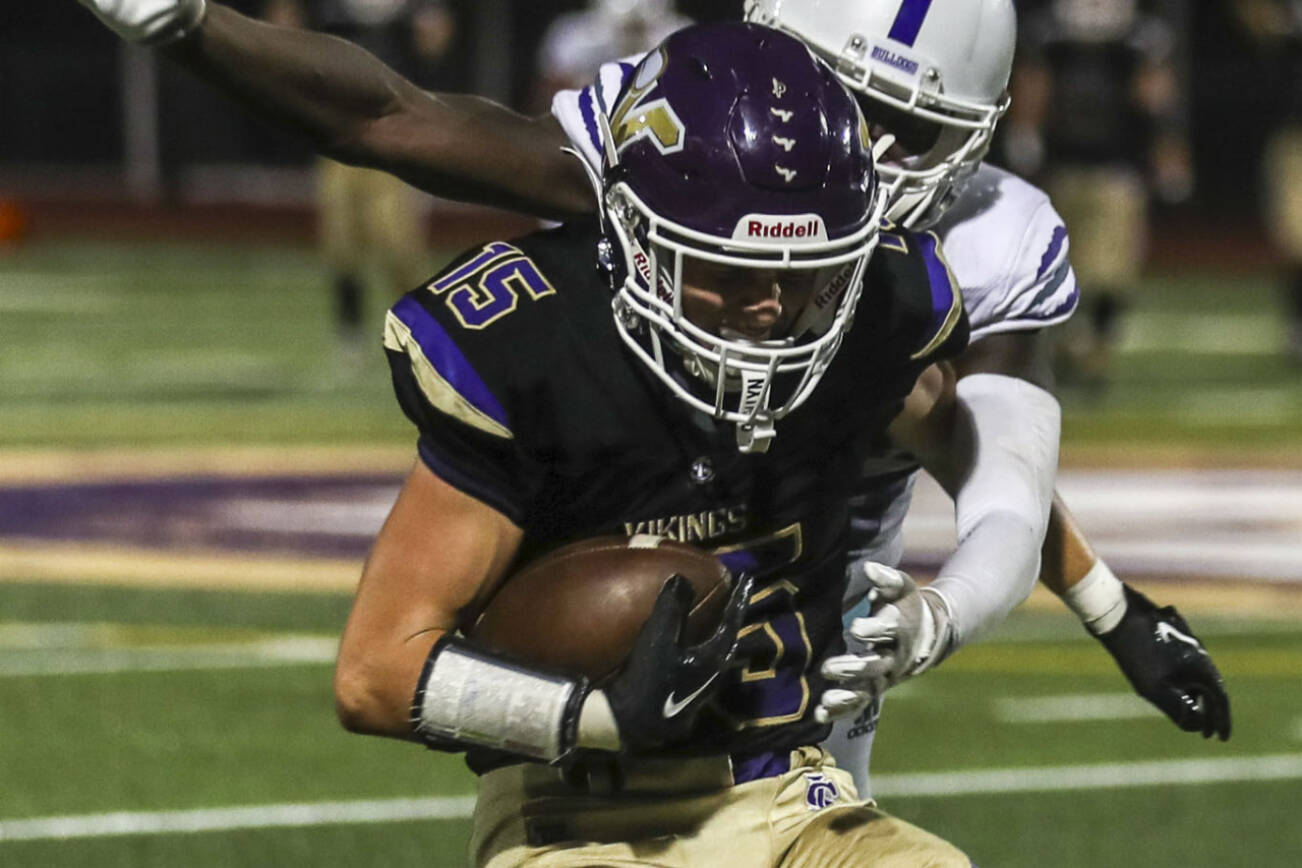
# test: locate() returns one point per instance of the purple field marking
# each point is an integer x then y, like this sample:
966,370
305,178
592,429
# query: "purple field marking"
318,516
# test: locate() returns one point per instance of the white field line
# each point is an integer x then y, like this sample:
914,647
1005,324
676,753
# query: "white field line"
1080,706
73,648
222,819
974,782
1278,767
122,662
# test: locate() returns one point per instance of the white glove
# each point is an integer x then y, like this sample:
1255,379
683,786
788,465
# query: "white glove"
149,22
906,633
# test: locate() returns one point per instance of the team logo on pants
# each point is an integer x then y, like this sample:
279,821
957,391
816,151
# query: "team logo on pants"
820,791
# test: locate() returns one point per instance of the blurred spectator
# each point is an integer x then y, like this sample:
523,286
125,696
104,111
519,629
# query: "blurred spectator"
368,218
1097,118
1275,26
577,43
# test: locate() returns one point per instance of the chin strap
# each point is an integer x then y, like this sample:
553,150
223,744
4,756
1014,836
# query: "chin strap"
755,438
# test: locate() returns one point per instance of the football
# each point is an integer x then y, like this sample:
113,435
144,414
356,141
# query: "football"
579,608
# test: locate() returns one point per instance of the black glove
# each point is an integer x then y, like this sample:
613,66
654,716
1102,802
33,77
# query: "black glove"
1168,666
663,686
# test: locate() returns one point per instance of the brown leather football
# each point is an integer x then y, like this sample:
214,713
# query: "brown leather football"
578,609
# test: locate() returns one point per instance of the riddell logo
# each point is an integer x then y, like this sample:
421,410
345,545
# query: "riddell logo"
799,227
643,266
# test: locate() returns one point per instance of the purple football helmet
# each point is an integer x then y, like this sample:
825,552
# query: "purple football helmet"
733,145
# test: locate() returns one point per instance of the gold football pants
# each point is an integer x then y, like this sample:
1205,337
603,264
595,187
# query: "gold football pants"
1105,210
684,814
367,217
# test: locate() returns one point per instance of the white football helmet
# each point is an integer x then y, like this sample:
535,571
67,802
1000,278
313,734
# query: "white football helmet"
937,72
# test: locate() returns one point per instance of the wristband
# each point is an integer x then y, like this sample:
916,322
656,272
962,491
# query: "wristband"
1098,599
472,696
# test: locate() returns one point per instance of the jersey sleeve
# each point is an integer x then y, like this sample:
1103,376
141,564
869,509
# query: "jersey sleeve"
577,110
454,394
1038,288
928,322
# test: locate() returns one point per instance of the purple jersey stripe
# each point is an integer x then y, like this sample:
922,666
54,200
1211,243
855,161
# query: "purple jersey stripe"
752,767
1051,286
1051,253
625,73
942,286
1033,313
587,97
908,21
447,359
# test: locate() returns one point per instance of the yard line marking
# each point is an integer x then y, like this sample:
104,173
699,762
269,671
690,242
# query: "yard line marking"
116,666
973,782
1079,706
222,819
293,651
84,648
1108,776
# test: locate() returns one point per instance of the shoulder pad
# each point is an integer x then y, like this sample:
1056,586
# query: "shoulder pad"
921,302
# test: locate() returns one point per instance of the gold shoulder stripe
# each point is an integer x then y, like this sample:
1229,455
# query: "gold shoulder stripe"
955,306
437,390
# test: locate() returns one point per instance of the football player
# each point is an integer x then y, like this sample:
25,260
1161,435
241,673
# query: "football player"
935,75
1010,262
1274,27
764,329
1098,116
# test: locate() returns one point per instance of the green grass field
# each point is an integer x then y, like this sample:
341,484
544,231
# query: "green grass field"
105,345
137,716
145,702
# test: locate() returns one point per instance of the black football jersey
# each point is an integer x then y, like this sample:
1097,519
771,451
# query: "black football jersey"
1094,54
526,398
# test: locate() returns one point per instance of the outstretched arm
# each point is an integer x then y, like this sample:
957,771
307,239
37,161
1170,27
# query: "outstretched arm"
1155,649
1000,474
354,108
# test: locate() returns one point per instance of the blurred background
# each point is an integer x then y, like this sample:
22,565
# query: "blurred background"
198,441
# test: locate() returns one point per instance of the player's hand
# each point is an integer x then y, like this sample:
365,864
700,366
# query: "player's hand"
1167,665
149,22
905,633
661,690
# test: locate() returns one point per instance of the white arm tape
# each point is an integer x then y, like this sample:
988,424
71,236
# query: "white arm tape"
1098,599
1002,507
474,697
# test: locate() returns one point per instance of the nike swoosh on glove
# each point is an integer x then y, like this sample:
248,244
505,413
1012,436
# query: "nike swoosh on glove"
1167,665
658,695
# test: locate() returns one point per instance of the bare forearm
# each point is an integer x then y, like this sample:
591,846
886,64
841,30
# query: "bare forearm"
324,87
354,108
1067,555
